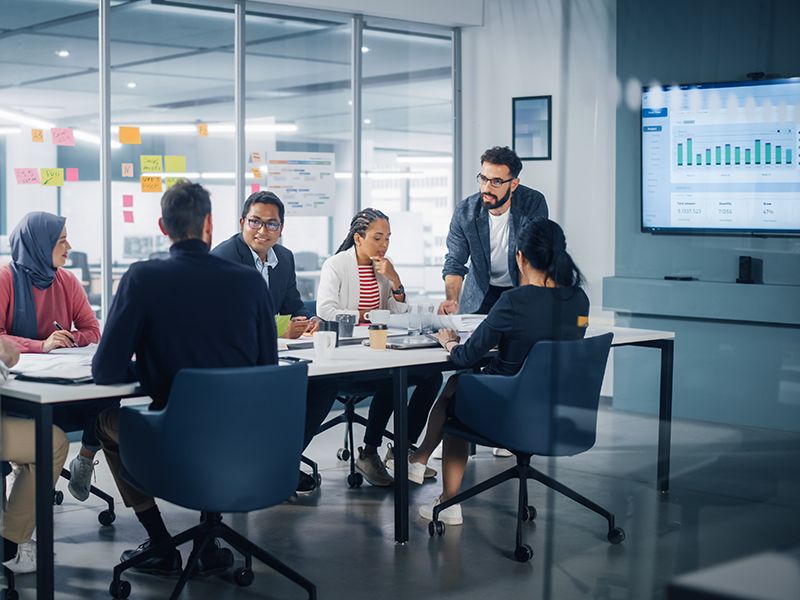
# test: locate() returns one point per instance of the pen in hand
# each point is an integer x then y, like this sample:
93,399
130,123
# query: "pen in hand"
60,328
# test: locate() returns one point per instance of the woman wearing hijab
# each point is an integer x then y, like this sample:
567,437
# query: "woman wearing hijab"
35,295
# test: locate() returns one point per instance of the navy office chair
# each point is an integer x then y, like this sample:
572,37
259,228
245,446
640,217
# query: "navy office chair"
549,408
209,412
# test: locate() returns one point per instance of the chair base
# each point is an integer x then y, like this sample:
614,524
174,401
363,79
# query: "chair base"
106,517
524,471
212,527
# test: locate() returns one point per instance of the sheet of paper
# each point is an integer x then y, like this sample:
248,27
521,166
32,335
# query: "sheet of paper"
202,130
37,135
151,163
127,200
72,174
127,169
53,177
27,176
175,164
129,135
62,136
151,184
68,366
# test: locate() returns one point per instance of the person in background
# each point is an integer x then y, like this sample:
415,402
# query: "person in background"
549,305
361,277
255,246
44,307
191,310
17,438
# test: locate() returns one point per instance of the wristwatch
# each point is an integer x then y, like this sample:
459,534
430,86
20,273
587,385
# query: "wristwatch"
399,291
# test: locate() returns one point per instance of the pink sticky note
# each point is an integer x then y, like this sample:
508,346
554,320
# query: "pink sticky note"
127,201
62,137
255,188
128,214
72,174
27,176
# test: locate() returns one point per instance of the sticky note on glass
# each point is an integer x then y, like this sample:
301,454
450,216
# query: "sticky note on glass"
127,200
255,188
62,137
175,164
129,135
255,157
37,135
128,215
151,184
202,130
151,164
172,181
257,173
127,169
27,176
72,174
53,177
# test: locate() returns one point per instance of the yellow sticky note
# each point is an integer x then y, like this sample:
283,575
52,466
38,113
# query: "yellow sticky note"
37,135
175,164
172,181
257,173
151,163
53,177
202,130
150,183
129,135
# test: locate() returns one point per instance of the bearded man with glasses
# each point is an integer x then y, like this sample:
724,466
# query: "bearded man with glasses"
483,232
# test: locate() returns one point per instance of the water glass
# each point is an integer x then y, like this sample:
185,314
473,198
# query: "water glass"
426,317
414,319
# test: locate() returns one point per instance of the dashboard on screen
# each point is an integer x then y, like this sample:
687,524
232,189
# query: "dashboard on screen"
722,158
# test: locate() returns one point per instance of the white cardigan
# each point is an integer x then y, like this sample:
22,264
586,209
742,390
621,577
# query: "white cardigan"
339,287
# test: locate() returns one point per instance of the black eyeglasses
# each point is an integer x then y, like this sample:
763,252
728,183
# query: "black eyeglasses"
495,183
256,224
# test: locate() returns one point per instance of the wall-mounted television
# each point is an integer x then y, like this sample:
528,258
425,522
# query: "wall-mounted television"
721,158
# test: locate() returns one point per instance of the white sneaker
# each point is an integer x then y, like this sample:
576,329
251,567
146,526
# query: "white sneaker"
449,516
416,471
437,454
80,478
389,462
502,452
25,559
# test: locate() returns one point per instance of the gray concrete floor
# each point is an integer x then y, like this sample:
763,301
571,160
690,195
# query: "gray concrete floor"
735,491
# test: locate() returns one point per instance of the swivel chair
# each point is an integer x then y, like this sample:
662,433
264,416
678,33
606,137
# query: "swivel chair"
549,408
259,411
79,260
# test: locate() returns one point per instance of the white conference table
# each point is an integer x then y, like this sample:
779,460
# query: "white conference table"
359,362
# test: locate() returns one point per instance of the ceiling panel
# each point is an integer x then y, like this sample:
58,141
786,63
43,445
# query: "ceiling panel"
16,14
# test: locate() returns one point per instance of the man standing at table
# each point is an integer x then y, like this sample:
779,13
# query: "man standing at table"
260,227
483,230
190,310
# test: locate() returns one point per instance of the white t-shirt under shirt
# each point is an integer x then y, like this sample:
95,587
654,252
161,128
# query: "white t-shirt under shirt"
498,239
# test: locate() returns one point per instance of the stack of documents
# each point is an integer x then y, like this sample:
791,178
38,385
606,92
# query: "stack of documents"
65,365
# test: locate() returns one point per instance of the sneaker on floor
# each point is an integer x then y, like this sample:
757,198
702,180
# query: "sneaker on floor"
502,452
389,462
24,561
373,469
449,516
80,477
306,483
416,471
166,565
213,560
437,454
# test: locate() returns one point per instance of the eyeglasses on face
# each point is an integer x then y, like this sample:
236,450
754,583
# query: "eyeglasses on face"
495,183
256,224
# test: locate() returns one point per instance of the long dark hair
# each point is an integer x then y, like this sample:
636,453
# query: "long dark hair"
359,225
543,244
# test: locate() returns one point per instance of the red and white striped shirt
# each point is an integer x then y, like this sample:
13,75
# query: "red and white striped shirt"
369,297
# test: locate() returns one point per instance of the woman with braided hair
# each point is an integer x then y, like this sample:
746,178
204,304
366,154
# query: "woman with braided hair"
361,277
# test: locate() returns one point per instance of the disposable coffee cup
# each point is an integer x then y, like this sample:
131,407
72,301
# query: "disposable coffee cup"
377,336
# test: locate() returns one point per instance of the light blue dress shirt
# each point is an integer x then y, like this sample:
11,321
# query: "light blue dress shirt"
263,268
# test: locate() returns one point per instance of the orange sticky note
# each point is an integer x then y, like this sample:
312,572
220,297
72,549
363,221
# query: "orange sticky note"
255,188
202,130
129,135
37,135
128,215
256,173
127,169
72,174
151,183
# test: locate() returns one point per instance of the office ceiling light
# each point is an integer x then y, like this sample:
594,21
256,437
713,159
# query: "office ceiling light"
63,53
9,130
188,129
391,176
425,159
131,85
364,49
367,121
218,175
26,120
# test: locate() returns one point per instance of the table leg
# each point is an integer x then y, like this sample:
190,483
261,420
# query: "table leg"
665,413
44,502
400,394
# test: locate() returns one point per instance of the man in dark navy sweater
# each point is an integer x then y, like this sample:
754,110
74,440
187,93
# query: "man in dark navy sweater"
190,310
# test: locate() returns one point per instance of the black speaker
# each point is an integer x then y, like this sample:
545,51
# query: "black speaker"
750,269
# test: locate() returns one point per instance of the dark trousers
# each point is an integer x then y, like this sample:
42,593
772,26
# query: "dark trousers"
492,296
81,418
425,392
320,397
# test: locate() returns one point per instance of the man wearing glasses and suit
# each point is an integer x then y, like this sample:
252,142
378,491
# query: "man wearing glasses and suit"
260,227
483,230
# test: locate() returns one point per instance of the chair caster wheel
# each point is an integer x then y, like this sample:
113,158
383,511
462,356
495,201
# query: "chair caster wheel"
529,513
243,577
319,480
523,553
616,535
436,528
120,590
355,479
343,454
58,497
106,517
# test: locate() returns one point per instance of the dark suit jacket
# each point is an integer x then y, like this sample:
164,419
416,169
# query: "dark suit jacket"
282,279
192,310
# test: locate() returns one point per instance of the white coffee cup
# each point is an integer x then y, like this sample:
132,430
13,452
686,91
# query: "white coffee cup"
324,343
378,317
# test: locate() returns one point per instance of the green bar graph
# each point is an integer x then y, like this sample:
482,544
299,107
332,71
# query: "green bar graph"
788,156
727,154
708,156
758,152
689,151
719,155
767,152
777,155
699,160
747,156
680,155
737,155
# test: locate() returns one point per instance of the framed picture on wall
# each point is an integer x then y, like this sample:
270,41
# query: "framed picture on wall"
532,127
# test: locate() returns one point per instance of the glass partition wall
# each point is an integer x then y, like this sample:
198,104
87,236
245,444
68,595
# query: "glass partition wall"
172,83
